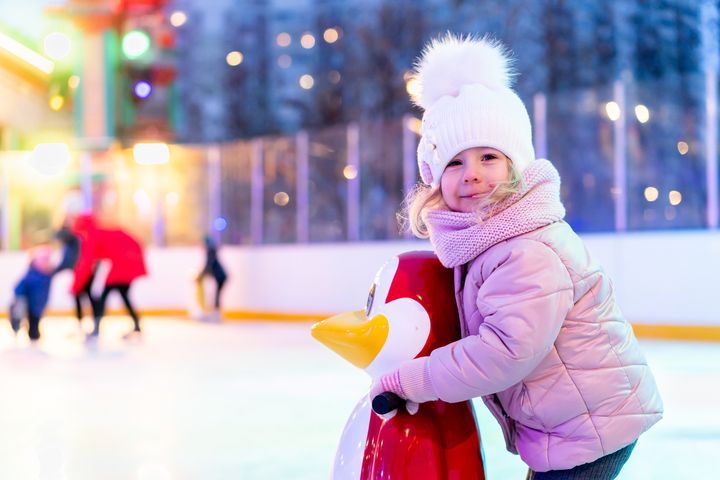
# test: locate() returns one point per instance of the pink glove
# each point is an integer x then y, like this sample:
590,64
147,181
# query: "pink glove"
390,382
411,381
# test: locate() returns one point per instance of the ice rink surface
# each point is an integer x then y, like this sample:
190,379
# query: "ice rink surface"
258,401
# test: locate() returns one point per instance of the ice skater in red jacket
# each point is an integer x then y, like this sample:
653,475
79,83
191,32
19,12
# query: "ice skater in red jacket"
125,256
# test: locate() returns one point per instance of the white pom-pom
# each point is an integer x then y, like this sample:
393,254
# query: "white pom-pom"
450,62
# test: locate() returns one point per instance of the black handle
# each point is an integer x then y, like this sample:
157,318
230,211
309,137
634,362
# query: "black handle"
386,402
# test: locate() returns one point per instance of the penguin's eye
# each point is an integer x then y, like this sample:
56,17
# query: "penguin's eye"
371,297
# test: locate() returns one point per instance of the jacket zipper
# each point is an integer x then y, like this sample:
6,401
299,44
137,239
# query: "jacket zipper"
507,424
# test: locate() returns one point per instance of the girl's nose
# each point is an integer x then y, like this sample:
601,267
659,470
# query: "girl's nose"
471,176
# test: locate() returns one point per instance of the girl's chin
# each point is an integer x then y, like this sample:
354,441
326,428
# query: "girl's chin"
468,205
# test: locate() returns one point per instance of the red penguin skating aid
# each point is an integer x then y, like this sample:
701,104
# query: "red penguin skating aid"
410,311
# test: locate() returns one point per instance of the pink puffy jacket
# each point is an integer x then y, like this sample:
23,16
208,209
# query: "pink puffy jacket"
549,351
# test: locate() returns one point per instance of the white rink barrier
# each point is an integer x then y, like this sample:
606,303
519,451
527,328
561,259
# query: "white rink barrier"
660,277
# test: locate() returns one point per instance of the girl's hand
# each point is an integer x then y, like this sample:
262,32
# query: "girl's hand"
390,383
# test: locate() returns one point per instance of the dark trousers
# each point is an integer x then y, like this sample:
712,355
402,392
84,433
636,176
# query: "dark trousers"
85,292
33,326
220,285
78,306
604,468
20,310
123,289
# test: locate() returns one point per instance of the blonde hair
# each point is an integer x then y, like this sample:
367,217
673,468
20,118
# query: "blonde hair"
425,197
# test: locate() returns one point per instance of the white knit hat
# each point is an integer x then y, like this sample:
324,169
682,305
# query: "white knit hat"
464,88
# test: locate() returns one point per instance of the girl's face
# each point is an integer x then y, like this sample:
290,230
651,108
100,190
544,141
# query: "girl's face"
471,175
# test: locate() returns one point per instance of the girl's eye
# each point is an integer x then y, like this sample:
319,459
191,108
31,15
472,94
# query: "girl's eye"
454,163
487,157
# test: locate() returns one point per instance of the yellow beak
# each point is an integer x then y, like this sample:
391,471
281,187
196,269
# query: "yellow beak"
353,336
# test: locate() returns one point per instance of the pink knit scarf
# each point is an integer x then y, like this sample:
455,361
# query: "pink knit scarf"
460,237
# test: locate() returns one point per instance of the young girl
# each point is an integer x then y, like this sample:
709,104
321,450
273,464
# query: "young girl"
544,341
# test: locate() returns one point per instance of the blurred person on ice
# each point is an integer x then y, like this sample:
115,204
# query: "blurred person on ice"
126,262
213,268
70,255
32,292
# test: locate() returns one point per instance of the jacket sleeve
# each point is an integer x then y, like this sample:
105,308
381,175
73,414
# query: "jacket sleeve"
526,294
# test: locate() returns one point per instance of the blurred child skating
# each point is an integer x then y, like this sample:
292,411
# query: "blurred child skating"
32,292
212,268
70,254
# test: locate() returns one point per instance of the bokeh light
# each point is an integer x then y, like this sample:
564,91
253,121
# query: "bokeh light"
307,41
74,82
612,109
57,102
50,158
234,58
281,199
413,87
142,89
135,44
674,197
350,172
331,35
670,213
220,224
642,113
283,39
151,153
413,124
588,180
178,18
142,201
57,45
683,147
651,194
334,76
306,81
284,61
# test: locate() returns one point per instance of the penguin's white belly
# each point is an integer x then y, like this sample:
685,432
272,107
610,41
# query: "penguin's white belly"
350,452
